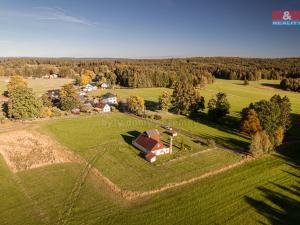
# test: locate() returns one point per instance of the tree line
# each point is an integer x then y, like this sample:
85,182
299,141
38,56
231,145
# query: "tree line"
155,73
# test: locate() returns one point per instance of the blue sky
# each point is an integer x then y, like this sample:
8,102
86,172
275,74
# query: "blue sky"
145,29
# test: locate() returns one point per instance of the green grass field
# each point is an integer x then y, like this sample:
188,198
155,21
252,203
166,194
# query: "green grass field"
239,96
39,85
111,135
234,197
263,191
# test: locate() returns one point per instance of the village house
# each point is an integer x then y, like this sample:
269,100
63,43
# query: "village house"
51,76
53,93
109,98
104,107
104,85
149,143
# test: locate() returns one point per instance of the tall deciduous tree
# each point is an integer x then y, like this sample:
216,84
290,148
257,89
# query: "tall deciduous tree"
68,97
218,107
136,104
23,104
15,82
184,96
164,101
250,123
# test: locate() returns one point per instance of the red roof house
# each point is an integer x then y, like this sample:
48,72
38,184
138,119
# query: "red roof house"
149,142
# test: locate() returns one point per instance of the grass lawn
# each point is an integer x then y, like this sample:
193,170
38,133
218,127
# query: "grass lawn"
111,135
264,191
234,197
239,97
38,85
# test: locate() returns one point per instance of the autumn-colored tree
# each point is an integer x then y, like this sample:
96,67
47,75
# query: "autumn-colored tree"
260,144
184,96
68,97
136,104
278,136
87,77
164,101
23,104
250,123
15,82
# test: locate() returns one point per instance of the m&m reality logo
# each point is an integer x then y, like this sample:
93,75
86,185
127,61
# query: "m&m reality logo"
286,18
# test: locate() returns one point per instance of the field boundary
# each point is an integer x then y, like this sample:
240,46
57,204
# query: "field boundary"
132,195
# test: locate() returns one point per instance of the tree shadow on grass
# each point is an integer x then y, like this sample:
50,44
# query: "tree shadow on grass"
285,203
151,105
276,86
294,132
229,125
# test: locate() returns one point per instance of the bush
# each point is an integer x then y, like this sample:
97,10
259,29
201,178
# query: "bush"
86,108
157,117
56,112
113,108
46,112
246,82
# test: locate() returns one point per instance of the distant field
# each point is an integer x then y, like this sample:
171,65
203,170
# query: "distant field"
39,85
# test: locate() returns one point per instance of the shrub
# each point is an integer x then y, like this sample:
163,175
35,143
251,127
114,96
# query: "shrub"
46,112
86,108
157,117
246,82
56,112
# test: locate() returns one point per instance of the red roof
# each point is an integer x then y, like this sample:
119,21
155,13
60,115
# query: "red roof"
150,156
148,143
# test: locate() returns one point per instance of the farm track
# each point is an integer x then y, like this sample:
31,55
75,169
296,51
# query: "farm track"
75,193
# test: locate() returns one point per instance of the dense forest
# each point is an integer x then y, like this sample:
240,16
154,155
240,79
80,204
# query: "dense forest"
158,72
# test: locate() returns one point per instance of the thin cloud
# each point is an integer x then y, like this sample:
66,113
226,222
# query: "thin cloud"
47,14
58,14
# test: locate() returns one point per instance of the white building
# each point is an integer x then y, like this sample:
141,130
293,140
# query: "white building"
109,98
